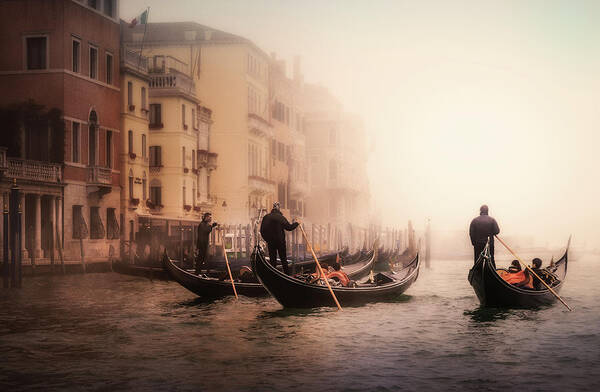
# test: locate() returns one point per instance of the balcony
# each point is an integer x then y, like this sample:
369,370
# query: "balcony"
99,175
260,186
259,126
166,64
25,169
202,158
212,161
132,60
172,83
99,181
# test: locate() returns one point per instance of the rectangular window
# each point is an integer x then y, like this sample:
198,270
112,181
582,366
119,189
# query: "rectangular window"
143,146
155,115
144,187
76,156
193,160
130,183
109,8
144,107
93,62
109,149
76,56
109,68
155,156
183,156
92,142
194,123
130,95
36,52
155,195
96,226
130,142
112,226
80,230
183,116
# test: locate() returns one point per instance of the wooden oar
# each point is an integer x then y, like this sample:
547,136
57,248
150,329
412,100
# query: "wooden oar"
319,267
229,270
534,274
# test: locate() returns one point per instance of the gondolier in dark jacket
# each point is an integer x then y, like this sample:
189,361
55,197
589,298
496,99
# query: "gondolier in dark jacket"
482,228
204,229
272,230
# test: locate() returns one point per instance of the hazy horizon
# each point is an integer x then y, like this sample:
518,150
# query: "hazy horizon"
466,103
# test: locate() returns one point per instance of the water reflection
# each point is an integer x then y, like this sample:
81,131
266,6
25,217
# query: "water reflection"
484,315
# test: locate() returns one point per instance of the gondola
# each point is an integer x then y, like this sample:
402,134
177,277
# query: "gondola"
382,262
210,287
206,286
494,291
295,293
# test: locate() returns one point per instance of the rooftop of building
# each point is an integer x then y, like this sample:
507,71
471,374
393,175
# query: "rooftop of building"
178,32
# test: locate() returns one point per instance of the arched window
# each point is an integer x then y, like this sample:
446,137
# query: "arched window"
93,139
130,184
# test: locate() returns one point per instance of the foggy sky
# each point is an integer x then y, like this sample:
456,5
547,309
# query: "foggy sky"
466,102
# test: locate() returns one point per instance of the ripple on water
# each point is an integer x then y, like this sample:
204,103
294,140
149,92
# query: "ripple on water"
112,332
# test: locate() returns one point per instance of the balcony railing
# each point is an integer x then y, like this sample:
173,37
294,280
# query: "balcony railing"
99,175
164,64
212,161
173,80
26,169
134,60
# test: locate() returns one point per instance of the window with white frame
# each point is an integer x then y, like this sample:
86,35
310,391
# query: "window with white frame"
76,56
75,142
93,62
109,68
109,148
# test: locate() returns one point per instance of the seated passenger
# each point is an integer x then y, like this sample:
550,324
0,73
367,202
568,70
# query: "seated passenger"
515,266
339,275
517,277
536,267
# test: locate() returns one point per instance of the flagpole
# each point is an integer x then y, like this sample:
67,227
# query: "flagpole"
144,37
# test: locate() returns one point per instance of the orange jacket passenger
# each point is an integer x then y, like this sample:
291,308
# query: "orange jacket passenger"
519,279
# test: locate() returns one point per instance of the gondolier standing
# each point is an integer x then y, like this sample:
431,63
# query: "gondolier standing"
204,229
271,230
482,228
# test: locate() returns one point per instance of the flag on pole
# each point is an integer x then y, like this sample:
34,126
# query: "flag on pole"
140,19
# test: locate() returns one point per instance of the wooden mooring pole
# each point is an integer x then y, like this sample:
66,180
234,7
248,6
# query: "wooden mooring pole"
16,240
5,231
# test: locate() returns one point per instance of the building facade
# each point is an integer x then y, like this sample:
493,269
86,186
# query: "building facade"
64,56
167,155
231,77
337,151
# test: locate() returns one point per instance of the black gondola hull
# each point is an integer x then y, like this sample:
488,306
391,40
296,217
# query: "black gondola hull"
493,291
293,293
212,288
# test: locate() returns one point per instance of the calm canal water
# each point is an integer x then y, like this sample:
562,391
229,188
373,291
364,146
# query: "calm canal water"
113,332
